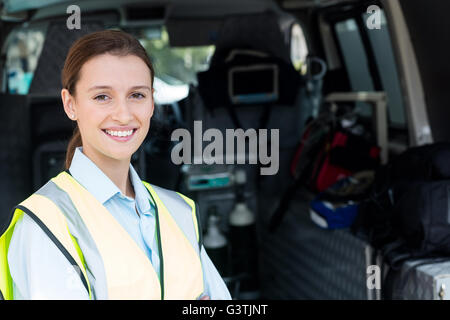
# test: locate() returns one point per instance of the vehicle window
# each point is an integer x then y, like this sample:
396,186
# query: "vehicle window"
384,57
355,60
22,53
357,65
175,67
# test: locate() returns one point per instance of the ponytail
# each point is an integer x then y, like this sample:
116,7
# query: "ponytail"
74,142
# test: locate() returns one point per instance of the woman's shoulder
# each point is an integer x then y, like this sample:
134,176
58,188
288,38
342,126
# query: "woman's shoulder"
30,211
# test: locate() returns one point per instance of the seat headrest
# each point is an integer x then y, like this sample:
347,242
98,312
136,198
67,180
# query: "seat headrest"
249,77
260,32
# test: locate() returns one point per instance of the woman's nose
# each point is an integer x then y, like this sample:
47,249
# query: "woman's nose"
122,113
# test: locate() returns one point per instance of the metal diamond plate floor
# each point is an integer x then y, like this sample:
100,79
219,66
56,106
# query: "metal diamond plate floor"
302,261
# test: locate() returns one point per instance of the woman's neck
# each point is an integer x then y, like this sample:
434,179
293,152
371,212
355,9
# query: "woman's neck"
117,171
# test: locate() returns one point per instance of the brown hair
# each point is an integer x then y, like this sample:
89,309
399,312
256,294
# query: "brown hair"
113,42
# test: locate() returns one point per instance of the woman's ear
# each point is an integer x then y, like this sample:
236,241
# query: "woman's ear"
68,102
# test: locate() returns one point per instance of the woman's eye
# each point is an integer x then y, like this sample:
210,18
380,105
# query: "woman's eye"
137,95
101,97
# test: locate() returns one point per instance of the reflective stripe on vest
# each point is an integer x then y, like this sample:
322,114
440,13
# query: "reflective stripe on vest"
55,226
128,272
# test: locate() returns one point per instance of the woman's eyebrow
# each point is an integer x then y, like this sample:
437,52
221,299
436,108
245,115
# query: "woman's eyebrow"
140,87
109,88
98,87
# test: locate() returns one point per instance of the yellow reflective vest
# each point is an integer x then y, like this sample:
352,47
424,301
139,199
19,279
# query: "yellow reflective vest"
128,271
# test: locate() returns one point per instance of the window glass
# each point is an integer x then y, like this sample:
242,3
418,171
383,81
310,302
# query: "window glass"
175,67
384,57
355,60
22,53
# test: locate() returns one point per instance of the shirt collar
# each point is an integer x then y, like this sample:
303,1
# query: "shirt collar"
142,195
91,177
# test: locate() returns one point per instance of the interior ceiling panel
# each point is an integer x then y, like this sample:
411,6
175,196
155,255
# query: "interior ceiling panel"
188,7
304,4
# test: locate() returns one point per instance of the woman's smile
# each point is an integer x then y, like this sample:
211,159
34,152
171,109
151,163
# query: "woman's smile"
120,134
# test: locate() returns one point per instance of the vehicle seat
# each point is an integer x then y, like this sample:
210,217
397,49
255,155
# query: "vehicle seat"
247,44
47,76
15,145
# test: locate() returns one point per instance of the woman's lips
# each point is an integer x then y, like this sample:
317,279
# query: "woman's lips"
119,138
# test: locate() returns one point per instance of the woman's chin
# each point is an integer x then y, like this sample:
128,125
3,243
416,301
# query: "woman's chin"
122,156
118,155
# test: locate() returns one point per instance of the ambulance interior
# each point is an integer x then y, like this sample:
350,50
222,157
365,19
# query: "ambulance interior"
294,67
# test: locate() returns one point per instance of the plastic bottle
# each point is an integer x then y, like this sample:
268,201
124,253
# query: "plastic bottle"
242,237
216,243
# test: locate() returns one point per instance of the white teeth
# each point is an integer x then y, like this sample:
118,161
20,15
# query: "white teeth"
119,133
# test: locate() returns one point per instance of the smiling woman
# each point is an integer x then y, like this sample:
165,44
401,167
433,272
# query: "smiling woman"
93,64
96,231
113,112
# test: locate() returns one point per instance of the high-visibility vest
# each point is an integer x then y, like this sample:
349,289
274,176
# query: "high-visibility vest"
128,271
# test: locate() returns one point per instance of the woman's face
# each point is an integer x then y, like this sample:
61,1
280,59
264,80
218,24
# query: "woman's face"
113,105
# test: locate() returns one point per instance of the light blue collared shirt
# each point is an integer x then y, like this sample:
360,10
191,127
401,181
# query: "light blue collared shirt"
40,271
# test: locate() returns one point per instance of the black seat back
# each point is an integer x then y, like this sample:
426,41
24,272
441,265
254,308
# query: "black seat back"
58,40
15,146
251,42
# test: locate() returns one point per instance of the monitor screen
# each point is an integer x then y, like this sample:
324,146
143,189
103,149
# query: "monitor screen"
253,84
